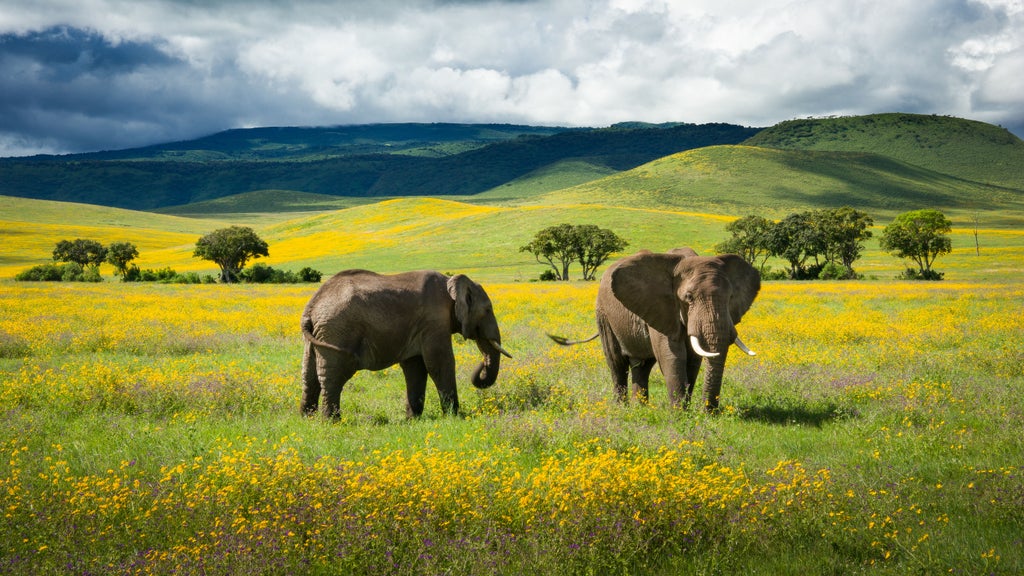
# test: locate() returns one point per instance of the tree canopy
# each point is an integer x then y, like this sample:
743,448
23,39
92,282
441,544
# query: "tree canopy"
559,246
119,255
749,239
816,243
919,235
83,252
230,248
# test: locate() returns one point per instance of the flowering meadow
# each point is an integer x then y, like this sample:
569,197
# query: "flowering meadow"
155,430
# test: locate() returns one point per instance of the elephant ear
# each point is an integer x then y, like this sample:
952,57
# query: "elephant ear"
459,289
746,283
686,251
645,285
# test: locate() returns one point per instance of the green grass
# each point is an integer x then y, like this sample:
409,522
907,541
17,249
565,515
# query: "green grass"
875,431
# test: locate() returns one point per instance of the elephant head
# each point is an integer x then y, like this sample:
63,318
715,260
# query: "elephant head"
697,298
473,317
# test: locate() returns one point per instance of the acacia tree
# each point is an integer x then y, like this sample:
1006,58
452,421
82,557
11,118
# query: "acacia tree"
842,232
559,246
749,239
553,245
83,252
230,248
919,235
594,246
796,239
119,255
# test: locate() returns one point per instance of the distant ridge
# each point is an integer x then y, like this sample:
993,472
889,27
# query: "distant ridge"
371,161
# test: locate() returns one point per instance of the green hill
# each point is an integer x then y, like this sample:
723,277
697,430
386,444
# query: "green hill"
951,146
381,168
300,143
739,180
263,202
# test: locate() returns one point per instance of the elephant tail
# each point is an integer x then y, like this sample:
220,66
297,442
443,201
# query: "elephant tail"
566,342
307,333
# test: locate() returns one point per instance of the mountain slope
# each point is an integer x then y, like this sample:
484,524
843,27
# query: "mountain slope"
739,180
149,184
319,143
952,146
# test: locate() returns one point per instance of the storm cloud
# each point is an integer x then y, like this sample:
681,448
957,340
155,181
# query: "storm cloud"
108,74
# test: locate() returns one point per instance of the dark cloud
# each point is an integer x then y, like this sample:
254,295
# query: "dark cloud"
119,73
64,53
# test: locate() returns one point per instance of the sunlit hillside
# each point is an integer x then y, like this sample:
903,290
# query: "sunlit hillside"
415,233
957,147
740,180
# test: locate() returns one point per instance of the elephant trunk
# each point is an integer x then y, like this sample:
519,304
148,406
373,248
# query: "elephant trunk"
487,372
714,367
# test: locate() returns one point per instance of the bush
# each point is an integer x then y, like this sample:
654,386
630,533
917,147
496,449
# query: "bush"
912,274
548,276
165,276
41,273
68,272
835,271
161,275
263,274
308,274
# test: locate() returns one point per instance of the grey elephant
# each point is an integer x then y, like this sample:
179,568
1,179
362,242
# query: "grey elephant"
361,320
674,309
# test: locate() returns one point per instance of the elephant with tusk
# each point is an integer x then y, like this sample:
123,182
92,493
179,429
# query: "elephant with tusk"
361,320
675,309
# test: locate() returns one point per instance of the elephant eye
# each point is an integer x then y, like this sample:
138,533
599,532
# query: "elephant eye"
688,297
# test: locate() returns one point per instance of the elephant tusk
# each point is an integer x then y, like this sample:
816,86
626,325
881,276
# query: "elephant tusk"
498,347
739,344
700,351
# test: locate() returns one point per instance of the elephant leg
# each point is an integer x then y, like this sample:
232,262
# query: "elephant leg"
618,364
415,371
440,365
673,361
692,370
333,372
310,381
640,374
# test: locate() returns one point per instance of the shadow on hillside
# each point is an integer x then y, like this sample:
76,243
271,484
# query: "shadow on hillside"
816,416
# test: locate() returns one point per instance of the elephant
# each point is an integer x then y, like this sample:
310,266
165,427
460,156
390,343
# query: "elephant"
674,309
361,320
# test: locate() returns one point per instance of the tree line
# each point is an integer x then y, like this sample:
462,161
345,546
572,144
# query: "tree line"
815,244
824,243
230,248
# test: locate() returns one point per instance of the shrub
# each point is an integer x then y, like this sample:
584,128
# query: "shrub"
912,274
41,273
260,273
835,271
68,272
308,274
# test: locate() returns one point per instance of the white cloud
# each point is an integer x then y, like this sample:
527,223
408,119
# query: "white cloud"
568,62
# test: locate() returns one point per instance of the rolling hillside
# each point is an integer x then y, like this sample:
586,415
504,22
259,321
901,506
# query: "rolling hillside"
952,146
378,168
740,180
412,233
680,199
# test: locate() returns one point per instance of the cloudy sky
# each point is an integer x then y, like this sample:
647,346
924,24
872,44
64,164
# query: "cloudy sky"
84,75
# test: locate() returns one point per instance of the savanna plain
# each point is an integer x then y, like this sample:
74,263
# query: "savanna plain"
155,429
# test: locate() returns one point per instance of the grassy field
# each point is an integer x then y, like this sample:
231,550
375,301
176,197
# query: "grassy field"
154,429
